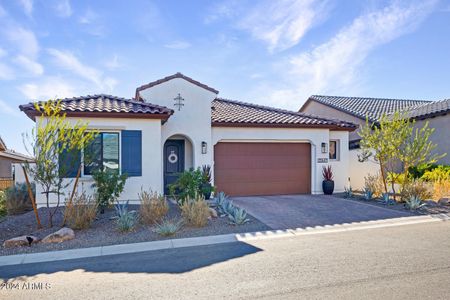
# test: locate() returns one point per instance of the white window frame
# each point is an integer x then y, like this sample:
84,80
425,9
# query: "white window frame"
120,153
337,148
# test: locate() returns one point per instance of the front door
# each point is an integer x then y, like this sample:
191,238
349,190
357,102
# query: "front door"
173,162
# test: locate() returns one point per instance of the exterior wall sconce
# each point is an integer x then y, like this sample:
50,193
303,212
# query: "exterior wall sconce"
204,147
324,148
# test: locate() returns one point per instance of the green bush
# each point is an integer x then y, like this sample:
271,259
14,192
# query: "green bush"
2,204
17,198
440,173
109,186
188,185
417,172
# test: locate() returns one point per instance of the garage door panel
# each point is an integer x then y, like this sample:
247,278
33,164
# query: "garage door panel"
262,168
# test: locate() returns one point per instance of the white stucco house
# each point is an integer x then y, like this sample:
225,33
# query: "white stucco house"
177,123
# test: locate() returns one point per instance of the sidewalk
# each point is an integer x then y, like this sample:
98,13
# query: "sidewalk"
28,258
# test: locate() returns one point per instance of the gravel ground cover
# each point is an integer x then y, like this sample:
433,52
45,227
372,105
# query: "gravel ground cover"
429,209
104,231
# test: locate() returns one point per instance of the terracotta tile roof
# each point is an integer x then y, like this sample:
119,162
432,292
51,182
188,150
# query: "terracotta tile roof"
104,106
429,110
176,75
373,108
235,113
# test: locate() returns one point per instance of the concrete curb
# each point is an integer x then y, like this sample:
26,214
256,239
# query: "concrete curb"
28,258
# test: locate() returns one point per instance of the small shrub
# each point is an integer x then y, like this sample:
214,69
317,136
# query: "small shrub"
375,184
238,217
153,207
126,220
414,203
417,188
368,194
187,186
440,173
348,192
417,172
441,189
81,212
386,199
109,186
168,227
17,199
195,212
2,204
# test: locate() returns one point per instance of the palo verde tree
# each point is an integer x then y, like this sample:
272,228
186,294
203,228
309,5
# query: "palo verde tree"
394,143
54,143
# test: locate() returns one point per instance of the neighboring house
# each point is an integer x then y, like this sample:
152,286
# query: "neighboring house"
177,123
7,159
356,110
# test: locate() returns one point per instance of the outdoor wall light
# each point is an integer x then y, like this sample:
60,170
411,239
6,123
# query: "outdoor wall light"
324,148
204,147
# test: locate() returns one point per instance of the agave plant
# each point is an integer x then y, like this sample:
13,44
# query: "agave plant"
222,203
121,208
348,192
228,207
414,203
386,199
238,217
168,227
368,194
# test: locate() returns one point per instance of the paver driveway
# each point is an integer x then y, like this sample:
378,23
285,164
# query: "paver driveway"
300,211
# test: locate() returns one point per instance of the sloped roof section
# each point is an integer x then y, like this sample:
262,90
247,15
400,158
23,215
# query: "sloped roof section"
373,108
2,145
233,113
105,106
165,79
429,110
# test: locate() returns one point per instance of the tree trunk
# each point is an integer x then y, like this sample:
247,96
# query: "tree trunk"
382,176
33,201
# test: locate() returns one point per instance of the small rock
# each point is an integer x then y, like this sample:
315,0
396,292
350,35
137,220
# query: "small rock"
444,201
64,234
20,241
212,212
431,203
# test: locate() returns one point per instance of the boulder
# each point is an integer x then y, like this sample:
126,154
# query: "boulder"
21,241
212,212
444,201
64,234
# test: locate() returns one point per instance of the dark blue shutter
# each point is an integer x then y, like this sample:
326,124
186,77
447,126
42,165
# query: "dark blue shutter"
69,162
132,152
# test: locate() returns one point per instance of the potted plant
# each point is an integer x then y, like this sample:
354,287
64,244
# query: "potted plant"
206,188
328,182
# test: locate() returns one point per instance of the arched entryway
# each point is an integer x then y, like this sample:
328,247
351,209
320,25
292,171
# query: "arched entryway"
178,156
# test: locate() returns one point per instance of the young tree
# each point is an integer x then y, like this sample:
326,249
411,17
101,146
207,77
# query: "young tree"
393,143
52,138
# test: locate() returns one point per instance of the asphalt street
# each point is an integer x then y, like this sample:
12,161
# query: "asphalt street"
404,262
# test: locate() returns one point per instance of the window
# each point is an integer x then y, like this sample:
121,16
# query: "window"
334,150
103,151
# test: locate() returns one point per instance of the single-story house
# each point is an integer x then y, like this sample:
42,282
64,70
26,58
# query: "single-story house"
177,123
357,109
8,158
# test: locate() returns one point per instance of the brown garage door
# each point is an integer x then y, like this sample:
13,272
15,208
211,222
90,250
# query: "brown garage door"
251,169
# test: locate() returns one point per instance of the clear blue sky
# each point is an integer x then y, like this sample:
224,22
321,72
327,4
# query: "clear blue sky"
269,52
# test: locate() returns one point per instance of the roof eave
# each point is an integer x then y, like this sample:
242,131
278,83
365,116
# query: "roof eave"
32,114
274,125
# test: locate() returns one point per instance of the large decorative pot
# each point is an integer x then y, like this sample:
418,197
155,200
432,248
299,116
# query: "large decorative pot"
328,187
206,190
